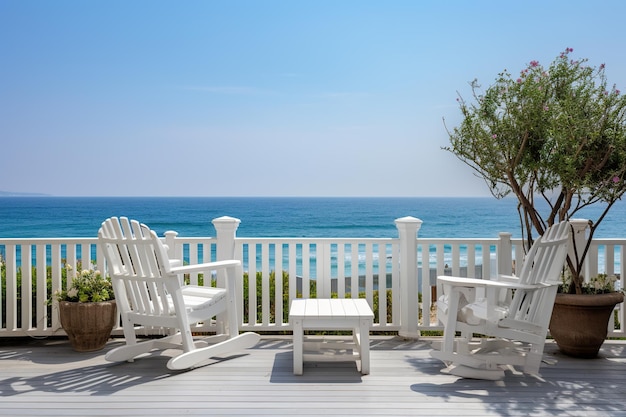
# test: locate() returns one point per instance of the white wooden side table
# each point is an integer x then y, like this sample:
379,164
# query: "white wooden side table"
331,314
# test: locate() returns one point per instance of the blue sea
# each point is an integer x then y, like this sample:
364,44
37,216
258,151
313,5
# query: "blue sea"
41,217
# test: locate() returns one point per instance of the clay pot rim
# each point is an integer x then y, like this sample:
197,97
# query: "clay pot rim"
88,303
607,299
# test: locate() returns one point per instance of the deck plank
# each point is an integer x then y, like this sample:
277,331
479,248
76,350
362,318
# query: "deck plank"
47,378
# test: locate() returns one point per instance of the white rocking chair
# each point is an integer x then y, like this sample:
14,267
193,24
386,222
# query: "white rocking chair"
149,292
511,314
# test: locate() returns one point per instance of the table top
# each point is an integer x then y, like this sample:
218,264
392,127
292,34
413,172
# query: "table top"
330,308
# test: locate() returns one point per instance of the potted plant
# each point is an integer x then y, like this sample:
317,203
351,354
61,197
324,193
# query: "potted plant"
87,310
579,322
555,138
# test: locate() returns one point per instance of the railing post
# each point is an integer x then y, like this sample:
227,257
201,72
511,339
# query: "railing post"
504,255
409,306
226,232
170,241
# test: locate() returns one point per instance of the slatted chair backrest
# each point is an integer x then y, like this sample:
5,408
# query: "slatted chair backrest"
543,265
139,267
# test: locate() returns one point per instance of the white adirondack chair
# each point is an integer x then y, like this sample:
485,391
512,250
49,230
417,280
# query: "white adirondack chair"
511,314
149,292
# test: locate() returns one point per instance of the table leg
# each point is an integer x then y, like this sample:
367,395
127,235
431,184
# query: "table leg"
298,346
364,346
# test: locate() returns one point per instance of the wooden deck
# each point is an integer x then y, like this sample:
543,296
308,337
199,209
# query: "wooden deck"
47,378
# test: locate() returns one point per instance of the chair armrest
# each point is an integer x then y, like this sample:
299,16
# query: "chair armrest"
475,282
209,266
465,282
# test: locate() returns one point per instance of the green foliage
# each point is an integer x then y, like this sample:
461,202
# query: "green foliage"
285,297
35,288
272,296
600,284
555,135
88,286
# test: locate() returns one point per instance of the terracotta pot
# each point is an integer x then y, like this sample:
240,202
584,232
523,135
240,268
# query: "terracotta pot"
88,325
579,322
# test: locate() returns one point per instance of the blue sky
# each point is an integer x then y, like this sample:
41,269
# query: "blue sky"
265,98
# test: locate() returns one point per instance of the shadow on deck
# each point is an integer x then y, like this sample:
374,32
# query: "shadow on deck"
45,377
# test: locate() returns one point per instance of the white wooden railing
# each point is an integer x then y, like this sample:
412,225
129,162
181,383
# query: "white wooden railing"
399,268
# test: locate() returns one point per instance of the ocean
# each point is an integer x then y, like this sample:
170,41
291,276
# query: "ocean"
367,217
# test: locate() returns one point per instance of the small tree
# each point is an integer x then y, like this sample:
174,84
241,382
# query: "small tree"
555,135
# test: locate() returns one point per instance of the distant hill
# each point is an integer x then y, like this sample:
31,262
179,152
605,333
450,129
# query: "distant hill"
14,194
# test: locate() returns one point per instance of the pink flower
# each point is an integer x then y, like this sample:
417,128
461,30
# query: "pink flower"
519,80
569,50
616,179
617,92
534,63
601,66
545,108
494,136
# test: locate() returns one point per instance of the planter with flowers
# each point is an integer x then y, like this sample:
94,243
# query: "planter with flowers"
580,317
579,322
87,310
554,137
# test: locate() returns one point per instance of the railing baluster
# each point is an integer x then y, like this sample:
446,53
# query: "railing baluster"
193,259
11,287
395,283
486,251
293,278
471,261
382,284
27,287
369,273
265,284
354,270
456,259
278,282
252,291
341,270
306,271
41,288
57,283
